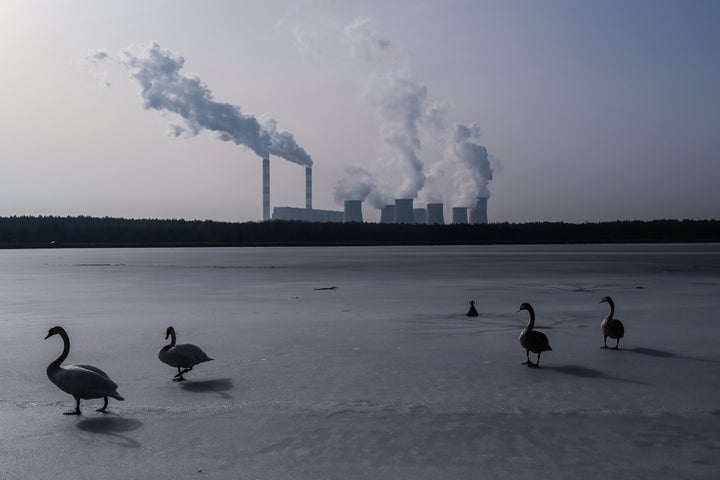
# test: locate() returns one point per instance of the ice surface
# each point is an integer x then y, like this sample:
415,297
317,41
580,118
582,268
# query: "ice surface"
381,377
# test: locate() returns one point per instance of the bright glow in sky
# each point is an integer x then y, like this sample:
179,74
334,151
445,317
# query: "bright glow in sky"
587,111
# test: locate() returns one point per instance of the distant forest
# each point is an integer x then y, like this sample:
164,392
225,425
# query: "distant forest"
68,232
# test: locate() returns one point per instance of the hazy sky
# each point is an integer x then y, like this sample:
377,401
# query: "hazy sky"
561,110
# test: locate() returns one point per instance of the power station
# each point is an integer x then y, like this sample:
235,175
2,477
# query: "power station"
402,211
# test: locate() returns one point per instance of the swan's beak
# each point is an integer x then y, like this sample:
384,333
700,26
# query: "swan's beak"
47,336
518,309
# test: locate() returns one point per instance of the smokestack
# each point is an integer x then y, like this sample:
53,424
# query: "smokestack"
353,211
266,188
435,214
404,210
387,214
308,188
478,213
460,215
420,215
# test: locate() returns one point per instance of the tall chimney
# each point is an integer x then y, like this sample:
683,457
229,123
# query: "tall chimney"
353,211
435,214
478,213
404,210
460,215
308,188
266,188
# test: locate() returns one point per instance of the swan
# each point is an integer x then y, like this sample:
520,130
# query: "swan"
184,356
531,340
80,381
611,327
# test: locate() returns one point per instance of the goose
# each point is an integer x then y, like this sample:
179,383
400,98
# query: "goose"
80,381
184,356
611,327
531,340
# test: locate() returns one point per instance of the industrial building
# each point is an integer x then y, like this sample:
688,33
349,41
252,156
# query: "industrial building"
402,211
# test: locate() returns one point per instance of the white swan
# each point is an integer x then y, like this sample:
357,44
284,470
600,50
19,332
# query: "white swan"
531,340
80,381
611,327
184,356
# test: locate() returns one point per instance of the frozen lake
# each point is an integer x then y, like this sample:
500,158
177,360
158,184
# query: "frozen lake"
382,377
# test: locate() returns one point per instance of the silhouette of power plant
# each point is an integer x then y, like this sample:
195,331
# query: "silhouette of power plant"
402,211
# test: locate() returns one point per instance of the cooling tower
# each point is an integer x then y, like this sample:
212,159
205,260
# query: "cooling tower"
353,211
478,213
266,188
387,214
435,214
420,215
404,210
308,188
460,215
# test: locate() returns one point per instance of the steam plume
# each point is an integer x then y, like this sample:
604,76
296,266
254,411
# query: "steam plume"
164,87
406,115
472,170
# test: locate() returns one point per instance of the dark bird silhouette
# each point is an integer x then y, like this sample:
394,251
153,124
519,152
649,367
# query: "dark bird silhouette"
532,341
472,312
611,327
80,381
183,357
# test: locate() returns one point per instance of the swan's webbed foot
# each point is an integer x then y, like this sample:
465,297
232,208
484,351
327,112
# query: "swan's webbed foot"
604,347
102,410
615,348
77,409
178,378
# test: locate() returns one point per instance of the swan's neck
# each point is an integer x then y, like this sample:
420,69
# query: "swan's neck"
172,340
65,352
531,322
612,308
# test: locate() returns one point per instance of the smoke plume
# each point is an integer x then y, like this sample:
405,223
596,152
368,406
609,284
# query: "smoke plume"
405,116
472,169
164,87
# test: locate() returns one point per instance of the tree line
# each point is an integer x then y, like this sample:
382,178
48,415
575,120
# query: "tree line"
83,231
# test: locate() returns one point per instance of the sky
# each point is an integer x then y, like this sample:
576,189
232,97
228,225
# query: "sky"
557,110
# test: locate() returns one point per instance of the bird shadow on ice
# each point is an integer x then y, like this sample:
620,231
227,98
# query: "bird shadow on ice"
112,426
217,385
578,371
652,352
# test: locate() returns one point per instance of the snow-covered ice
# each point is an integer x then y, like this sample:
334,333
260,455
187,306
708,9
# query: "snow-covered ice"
383,377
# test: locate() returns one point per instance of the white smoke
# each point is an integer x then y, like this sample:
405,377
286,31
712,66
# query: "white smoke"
164,87
471,164
405,116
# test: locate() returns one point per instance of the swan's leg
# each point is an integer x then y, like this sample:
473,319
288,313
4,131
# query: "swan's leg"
179,377
528,362
617,345
77,408
604,342
103,407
